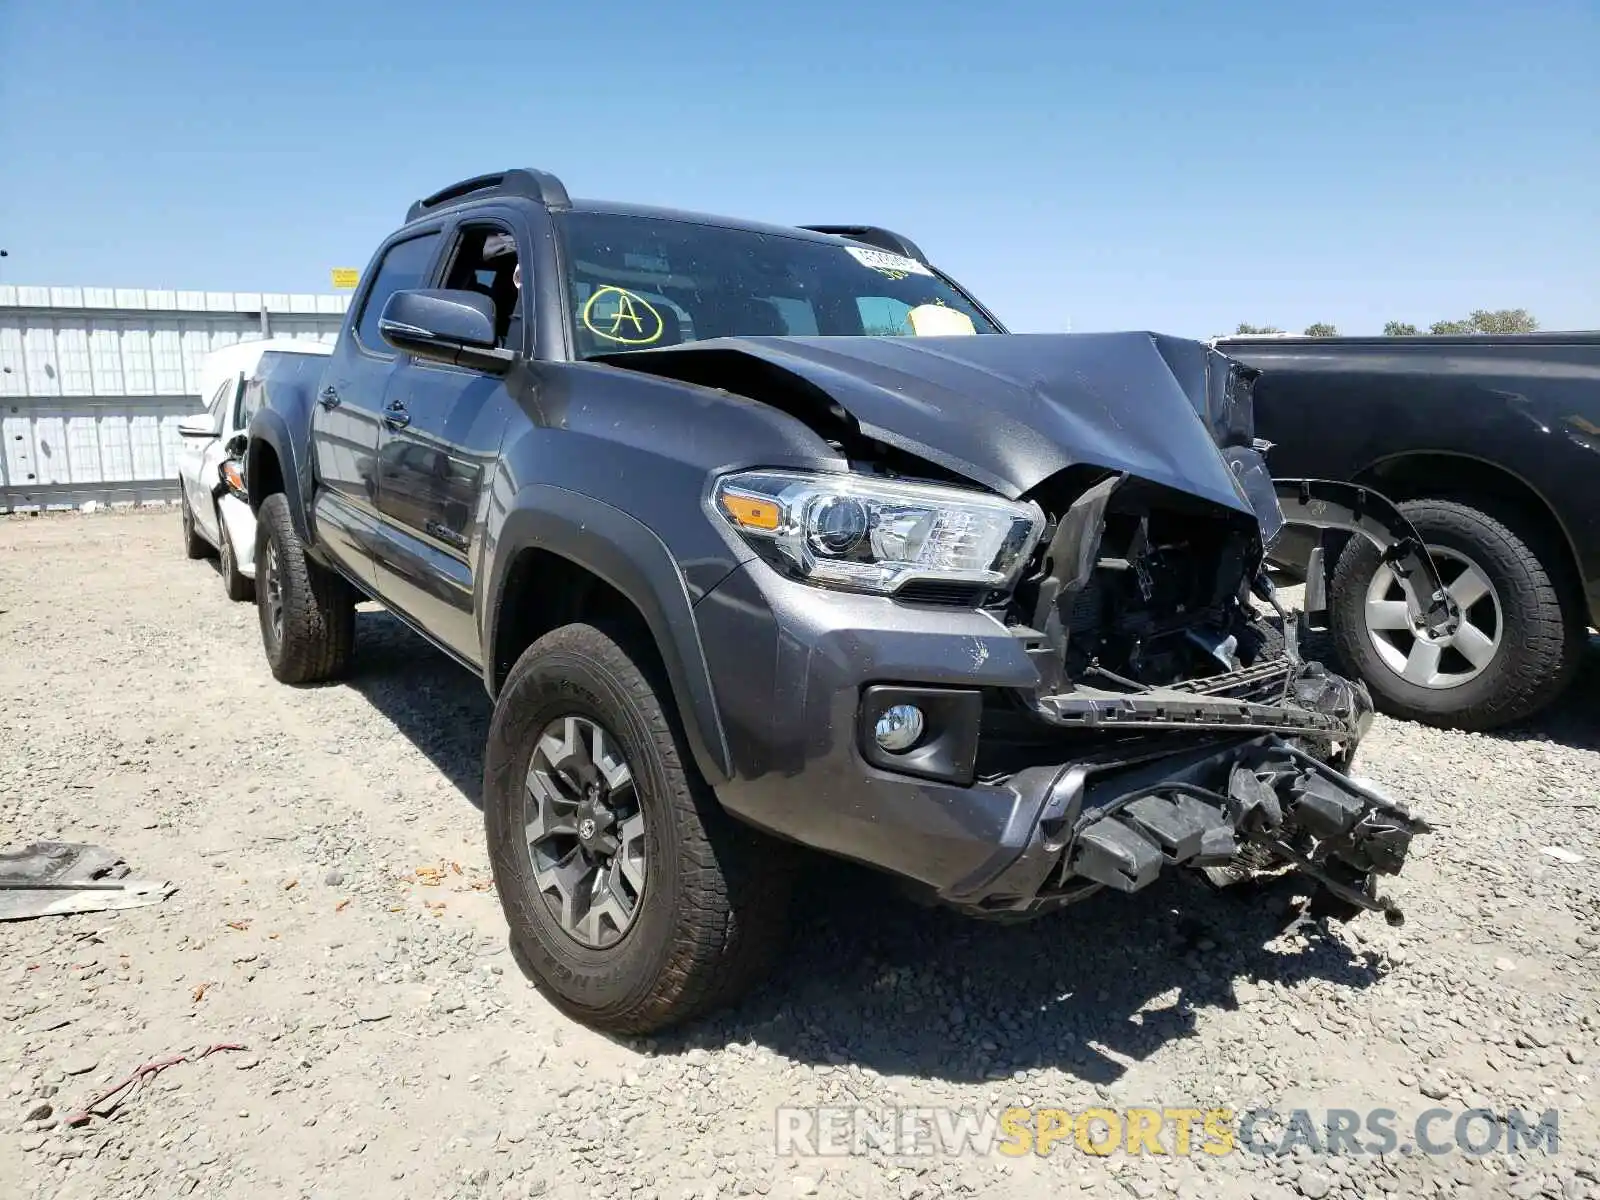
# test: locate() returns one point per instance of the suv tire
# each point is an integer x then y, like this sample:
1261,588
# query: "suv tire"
308,614
1535,624
238,586
710,908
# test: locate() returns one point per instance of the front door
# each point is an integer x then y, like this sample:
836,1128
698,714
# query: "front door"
198,459
442,429
347,411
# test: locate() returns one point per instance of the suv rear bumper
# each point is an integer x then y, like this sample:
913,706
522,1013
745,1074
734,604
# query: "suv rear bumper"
797,671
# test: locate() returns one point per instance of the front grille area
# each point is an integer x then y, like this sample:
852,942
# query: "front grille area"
946,595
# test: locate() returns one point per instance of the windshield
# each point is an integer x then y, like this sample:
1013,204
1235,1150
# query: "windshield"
641,282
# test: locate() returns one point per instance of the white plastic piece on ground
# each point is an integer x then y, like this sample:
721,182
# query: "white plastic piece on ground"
90,506
939,320
1562,855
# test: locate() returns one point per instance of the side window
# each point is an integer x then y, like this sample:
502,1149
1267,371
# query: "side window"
249,401
219,400
796,313
403,266
485,262
883,316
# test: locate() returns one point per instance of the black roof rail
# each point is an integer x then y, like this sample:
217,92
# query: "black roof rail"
874,235
519,181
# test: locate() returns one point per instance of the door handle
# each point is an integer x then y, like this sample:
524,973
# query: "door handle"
329,397
396,416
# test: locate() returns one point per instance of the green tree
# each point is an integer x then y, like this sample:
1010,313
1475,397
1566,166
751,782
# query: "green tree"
1246,328
1321,329
1484,320
1399,329
1503,320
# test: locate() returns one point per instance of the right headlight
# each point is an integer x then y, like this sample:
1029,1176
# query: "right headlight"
876,535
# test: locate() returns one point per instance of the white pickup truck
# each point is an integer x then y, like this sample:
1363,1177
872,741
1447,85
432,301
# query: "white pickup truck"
214,520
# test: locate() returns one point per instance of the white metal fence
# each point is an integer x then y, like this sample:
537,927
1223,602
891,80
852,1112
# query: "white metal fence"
93,382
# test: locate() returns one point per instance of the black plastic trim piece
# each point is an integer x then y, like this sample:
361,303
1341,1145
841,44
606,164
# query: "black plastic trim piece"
874,235
527,182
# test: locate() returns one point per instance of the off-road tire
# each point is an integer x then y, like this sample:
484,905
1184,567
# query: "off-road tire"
319,613
715,902
1544,633
238,587
194,546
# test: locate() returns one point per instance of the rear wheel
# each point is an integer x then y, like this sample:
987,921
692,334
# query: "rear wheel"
1520,638
307,612
238,586
634,901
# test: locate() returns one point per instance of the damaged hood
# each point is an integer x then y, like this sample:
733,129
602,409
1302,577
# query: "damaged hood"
1009,410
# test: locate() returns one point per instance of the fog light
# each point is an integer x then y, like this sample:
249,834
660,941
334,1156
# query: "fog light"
899,728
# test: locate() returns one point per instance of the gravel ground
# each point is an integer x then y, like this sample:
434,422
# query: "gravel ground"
334,917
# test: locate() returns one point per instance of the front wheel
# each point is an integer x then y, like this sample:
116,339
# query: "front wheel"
237,585
631,897
194,546
1520,637
307,613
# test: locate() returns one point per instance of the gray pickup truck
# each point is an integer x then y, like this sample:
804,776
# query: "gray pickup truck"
763,537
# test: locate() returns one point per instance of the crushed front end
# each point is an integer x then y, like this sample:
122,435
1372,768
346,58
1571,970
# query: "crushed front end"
1109,687
1202,736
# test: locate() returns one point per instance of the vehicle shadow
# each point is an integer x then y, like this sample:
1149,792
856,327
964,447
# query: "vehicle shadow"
873,980
436,704
868,975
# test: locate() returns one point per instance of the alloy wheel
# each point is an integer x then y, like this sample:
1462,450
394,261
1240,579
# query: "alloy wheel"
1445,661
269,568
585,831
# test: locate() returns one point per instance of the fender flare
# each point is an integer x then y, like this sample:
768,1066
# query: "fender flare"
269,429
628,556
1327,504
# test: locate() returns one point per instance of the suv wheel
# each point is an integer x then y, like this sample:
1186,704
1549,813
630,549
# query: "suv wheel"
632,898
308,614
194,546
238,587
1516,649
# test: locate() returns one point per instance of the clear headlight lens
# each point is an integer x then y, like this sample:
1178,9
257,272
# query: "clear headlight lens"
876,535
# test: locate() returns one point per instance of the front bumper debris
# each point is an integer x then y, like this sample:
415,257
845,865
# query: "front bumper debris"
1228,809
1325,504
1276,798
1037,820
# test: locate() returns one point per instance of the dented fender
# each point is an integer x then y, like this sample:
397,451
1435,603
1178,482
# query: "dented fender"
1327,504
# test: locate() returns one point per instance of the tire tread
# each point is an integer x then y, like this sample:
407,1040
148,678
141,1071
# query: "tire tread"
318,609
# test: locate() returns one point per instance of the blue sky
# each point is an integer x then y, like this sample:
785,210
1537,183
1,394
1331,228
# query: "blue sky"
1121,165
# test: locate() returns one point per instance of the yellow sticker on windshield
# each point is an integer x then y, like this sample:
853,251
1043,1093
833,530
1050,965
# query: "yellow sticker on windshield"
626,317
939,320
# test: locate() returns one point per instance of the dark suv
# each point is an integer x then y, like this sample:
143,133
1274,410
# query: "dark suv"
763,536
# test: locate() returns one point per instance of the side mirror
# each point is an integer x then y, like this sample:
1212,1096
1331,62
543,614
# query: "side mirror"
201,425
442,325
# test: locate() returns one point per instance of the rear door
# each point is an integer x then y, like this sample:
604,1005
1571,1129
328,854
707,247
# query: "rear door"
442,429
347,412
